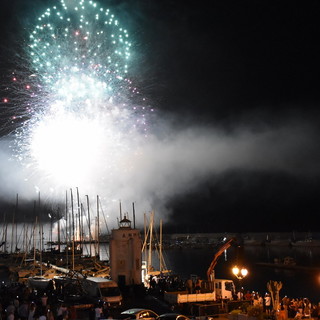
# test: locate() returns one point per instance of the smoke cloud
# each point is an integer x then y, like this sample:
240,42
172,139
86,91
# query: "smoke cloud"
172,163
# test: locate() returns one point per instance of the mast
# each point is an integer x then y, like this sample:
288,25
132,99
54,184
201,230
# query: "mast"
67,239
16,226
160,249
13,238
72,235
98,227
150,243
80,221
144,246
12,231
89,225
120,210
59,239
4,235
134,216
41,244
25,237
34,240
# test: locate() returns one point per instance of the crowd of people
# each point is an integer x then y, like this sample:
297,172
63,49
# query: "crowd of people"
20,302
293,308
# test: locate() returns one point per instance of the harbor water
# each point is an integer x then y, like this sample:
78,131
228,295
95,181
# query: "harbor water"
187,261
305,282
296,282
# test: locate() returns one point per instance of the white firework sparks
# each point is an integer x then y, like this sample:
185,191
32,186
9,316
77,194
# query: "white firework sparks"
82,129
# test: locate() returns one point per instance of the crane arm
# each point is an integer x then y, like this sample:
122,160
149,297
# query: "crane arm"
214,261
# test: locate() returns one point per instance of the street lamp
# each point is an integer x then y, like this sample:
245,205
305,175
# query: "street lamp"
240,273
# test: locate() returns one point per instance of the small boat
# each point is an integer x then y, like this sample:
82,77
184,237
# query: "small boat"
286,263
39,282
306,243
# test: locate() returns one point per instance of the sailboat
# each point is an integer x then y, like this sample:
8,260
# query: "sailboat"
43,280
151,244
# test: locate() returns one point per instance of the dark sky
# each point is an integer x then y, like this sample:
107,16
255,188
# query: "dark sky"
237,69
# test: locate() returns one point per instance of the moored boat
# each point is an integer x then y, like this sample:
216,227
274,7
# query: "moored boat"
286,263
39,282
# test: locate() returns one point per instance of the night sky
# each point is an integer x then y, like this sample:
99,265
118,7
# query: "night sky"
235,87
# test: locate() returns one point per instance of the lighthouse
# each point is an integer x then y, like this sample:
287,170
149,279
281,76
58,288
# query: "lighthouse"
125,254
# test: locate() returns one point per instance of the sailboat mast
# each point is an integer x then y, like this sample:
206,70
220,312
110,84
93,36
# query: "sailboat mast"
4,235
72,213
89,225
134,216
16,226
33,234
67,220
80,221
41,239
98,227
150,243
160,248
12,231
59,239
120,210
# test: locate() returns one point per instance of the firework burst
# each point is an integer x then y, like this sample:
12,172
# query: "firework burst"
78,123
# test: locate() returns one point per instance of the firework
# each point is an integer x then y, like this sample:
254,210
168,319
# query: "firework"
78,124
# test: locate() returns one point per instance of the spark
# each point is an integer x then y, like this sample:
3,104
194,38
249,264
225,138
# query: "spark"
82,120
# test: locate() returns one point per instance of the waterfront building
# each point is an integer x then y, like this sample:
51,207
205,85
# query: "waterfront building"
125,254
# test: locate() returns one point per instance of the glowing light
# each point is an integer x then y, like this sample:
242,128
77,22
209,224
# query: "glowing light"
239,273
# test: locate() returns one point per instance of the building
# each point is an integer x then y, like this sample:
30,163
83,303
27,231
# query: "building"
125,254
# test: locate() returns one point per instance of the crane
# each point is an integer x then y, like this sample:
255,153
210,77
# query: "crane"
225,246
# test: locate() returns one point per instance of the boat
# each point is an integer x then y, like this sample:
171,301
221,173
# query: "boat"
39,282
287,263
275,240
152,243
305,243
308,241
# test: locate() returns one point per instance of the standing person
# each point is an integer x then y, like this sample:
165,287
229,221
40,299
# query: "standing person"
306,308
10,315
248,296
267,303
105,310
23,310
198,286
62,309
42,314
44,300
32,311
189,285
11,308
260,301
72,313
315,311
50,315
240,295
256,301
98,312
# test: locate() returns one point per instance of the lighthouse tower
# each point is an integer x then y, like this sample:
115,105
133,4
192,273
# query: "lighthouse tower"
125,254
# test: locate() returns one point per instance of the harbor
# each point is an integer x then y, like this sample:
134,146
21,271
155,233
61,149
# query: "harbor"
130,268
184,263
